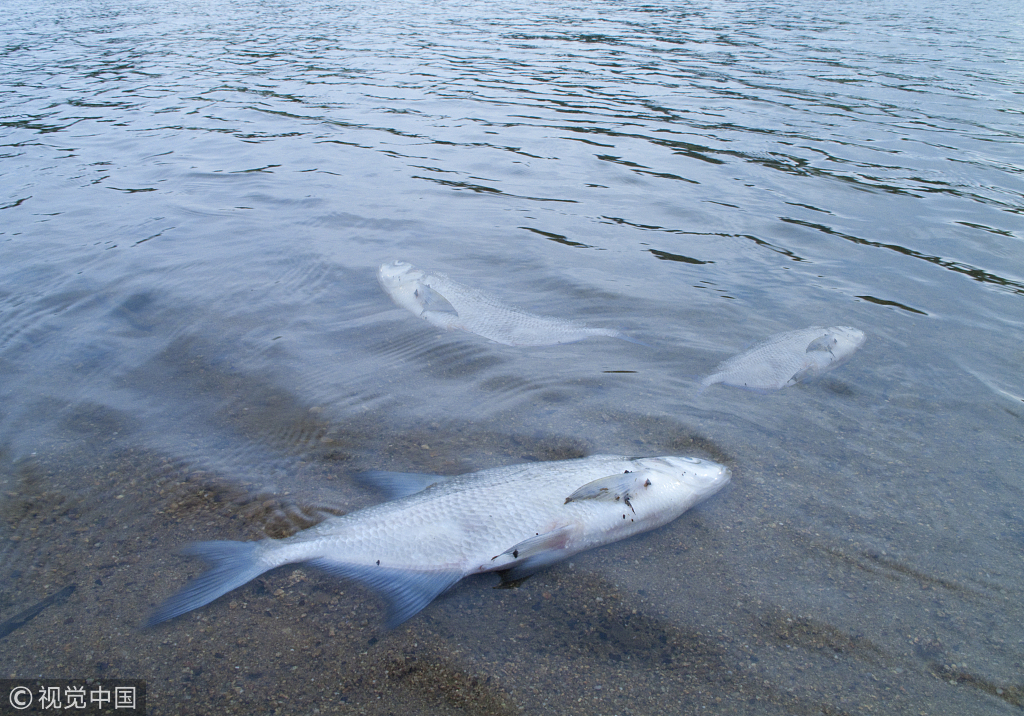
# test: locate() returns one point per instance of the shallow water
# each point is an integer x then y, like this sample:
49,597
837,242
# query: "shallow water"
193,344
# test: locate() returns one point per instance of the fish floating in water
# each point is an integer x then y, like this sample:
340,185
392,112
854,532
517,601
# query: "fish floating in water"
513,520
450,305
788,358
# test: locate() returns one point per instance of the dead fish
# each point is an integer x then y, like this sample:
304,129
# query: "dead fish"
514,520
788,358
450,305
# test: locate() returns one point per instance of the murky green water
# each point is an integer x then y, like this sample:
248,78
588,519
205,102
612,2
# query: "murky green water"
193,343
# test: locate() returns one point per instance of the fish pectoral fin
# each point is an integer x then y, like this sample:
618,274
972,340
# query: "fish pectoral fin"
803,374
612,487
555,539
535,553
822,343
431,301
407,591
399,484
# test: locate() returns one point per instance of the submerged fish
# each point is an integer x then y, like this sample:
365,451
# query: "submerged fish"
788,358
452,306
513,520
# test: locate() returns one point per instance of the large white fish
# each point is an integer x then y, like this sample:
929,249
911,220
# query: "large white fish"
788,358
450,305
513,520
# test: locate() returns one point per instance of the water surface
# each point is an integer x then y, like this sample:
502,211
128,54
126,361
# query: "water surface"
193,344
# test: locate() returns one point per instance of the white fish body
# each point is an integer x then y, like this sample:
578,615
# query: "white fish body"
517,518
450,305
788,358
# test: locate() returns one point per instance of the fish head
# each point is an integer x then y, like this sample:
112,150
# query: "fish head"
695,479
396,273
402,282
845,341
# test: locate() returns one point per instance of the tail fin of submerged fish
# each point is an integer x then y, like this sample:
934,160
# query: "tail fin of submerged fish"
407,591
233,564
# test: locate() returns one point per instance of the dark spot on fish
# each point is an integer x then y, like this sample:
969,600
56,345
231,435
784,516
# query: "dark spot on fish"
647,484
617,497
378,562
628,504
626,472
515,554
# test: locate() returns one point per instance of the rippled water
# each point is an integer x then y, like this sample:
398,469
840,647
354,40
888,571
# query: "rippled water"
193,343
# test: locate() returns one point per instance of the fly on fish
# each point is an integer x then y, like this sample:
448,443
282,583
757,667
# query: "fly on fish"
789,358
513,520
450,305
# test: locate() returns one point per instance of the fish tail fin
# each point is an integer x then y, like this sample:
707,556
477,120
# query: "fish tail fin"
232,565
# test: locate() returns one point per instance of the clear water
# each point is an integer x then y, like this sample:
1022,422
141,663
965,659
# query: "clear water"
193,344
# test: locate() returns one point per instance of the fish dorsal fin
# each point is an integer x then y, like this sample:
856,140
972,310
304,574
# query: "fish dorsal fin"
534,553
823,343
431,301
399,484
613,487
407,591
